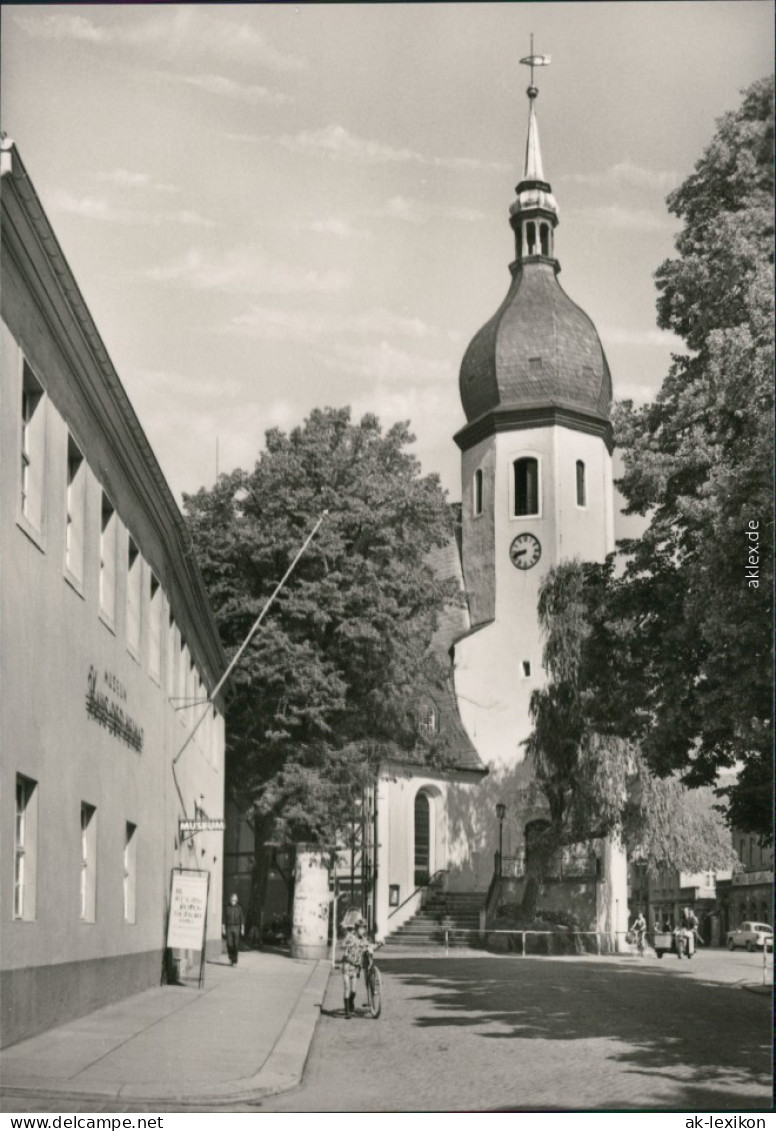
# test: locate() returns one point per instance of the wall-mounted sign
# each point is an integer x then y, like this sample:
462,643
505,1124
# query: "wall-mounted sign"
203,825
104,709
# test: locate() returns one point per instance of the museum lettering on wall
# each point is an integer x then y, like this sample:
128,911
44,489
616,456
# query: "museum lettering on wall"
102,706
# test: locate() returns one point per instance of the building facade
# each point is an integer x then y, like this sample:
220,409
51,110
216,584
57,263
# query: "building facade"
109,655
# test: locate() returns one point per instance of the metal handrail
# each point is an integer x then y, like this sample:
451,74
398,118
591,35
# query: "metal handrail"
428,883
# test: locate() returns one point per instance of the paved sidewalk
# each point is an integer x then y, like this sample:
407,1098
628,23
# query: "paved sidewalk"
245,1035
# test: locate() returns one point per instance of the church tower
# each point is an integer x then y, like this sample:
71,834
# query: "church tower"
536,490
536,467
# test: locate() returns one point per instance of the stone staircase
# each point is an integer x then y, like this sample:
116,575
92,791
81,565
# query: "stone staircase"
458,913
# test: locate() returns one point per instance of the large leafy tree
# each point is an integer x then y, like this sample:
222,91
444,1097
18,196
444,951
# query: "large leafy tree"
327,686
595,782
694,604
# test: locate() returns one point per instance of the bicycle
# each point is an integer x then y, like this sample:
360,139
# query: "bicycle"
373,981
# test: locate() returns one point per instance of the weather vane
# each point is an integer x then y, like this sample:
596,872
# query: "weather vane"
535,61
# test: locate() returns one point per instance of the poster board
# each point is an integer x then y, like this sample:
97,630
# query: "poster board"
187,921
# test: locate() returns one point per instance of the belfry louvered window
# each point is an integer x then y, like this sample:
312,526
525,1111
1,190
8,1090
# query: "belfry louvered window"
526,486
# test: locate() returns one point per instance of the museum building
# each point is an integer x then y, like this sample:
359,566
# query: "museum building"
110,654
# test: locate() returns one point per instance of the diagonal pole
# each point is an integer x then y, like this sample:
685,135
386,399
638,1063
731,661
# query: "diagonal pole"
250,635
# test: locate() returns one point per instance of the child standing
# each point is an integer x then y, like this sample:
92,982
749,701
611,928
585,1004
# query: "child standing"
356,944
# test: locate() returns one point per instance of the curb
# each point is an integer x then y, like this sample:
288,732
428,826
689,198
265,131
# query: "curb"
281,1070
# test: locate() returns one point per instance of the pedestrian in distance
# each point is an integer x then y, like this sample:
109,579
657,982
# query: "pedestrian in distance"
638,931
234,928
355,946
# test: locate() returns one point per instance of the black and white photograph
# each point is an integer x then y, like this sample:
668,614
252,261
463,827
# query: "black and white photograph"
386,602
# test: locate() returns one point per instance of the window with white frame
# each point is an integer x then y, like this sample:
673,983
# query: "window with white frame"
477,493
581,485
88,862
130,871
172,652
25,848
108,544
33,448
526,486
183,675
134,594
155,612
76,510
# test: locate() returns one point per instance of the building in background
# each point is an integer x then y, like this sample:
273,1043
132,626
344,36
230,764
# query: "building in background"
109,654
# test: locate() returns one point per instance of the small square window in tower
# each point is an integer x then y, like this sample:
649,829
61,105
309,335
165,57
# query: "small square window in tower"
526,486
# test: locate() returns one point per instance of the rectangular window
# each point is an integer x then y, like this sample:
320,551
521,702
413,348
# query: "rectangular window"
526,487
108,536
182,680
477,493
215,731
88,862
76,510
25,848
33,448
581,487
172,651
130,871
155,612
134,593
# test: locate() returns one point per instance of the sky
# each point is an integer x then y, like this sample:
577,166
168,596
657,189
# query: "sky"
271,208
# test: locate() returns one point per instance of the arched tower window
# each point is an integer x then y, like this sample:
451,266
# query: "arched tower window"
581,487
477,492
544,236
530,237
526,486
422,838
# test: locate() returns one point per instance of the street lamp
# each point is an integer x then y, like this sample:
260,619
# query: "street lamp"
501,812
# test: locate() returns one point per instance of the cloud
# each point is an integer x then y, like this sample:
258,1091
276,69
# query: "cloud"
92,208
172,384
230,88
175,32
338,144
622,336
420,211
125,178
626,173
246,270
639,394
278,324
334,226
621,217
383,362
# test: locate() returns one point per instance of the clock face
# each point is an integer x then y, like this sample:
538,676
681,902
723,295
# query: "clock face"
525,551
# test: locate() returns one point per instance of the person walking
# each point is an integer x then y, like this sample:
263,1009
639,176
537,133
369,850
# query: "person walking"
234,928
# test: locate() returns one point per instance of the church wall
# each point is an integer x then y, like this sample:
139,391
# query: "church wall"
479,534
396,793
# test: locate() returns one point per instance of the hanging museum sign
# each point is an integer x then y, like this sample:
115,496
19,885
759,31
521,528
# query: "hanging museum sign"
102,706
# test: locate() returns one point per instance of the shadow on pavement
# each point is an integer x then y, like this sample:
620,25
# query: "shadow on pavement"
706,1037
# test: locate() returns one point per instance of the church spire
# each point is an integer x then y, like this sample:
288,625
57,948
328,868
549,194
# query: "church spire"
534,170
534,214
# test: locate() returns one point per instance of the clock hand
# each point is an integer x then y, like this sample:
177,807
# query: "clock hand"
518,553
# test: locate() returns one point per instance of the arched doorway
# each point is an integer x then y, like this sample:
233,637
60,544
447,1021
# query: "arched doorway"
422,838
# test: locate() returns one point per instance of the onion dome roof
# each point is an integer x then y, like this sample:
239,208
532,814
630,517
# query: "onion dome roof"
538,349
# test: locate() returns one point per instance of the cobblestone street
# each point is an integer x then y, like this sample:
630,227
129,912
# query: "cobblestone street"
461,1034
490,1033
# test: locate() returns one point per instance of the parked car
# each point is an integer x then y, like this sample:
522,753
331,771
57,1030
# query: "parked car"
754,936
